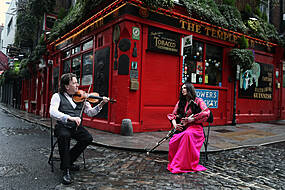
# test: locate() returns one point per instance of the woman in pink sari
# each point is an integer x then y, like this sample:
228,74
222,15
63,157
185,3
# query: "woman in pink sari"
184,147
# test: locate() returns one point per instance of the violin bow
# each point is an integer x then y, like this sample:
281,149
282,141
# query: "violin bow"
81,112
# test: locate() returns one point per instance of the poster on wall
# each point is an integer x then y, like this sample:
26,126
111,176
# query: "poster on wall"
210,97
257,82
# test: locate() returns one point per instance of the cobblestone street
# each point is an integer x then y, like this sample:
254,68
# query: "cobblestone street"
250,168
25,149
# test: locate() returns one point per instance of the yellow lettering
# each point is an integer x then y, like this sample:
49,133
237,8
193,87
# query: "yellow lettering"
219,34
182,24
207,30
198,28
191,27
214,32
230,37
226,36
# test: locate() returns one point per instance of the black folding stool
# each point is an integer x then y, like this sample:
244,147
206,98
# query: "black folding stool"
53,143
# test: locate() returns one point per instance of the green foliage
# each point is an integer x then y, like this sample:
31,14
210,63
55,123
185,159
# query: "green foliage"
206,10
243,42
233,17
158,3
29,23
24,71
264,17
61,13
263,30
39,7
248,9
26,32
229,2
243,57
258,12
80,12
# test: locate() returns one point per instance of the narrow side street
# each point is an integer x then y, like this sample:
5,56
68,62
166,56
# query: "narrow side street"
25,150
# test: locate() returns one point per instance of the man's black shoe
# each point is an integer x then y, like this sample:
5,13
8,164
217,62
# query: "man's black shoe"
73,168
66,179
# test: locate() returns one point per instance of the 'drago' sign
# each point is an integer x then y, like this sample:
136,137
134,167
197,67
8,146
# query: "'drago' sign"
209,97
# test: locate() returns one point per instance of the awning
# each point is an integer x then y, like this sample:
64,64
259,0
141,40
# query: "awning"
3,61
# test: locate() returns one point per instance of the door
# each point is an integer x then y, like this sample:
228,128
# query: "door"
160,77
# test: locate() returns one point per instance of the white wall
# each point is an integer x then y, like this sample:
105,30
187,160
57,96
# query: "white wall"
8,37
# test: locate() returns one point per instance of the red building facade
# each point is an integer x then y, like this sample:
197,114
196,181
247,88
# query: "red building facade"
133,54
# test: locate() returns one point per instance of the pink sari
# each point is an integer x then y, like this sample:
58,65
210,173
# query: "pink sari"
184,148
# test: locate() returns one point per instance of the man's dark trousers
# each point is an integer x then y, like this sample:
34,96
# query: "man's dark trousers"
64,135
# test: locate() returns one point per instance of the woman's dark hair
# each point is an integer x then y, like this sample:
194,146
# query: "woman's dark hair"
191,95
64,80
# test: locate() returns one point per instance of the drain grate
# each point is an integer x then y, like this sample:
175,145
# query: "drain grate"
223,130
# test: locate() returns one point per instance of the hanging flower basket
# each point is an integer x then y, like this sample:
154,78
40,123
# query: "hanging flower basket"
242,57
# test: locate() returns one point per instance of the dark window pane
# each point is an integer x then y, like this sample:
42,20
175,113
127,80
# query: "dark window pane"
75,68
87,45
66,54
87,68
213,65
75,50
66,66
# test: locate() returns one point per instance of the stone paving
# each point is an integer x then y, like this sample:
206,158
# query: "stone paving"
221,137
249,168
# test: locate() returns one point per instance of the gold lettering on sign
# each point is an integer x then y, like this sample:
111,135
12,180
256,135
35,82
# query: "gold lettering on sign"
160,42
165,44
262,96
190,26
219,34
207,30
213,32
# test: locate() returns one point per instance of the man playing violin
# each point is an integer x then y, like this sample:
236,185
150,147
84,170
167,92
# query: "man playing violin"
69,125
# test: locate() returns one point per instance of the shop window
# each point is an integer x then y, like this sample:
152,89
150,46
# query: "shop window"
193,64
202,69
66,66
87,45
66,54
75,50
87,68
75,68
213,65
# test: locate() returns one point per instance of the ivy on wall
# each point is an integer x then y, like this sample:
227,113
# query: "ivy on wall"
158,3
233,17
82,10
223,14
29,34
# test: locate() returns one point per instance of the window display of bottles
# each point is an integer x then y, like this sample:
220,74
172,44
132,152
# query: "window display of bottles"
200,69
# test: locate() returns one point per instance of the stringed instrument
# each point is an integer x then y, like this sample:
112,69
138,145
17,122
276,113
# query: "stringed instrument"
94,97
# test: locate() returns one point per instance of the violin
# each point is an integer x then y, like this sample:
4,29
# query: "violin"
94,97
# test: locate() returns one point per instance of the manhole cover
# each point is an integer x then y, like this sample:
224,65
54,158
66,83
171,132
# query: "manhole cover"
223,130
